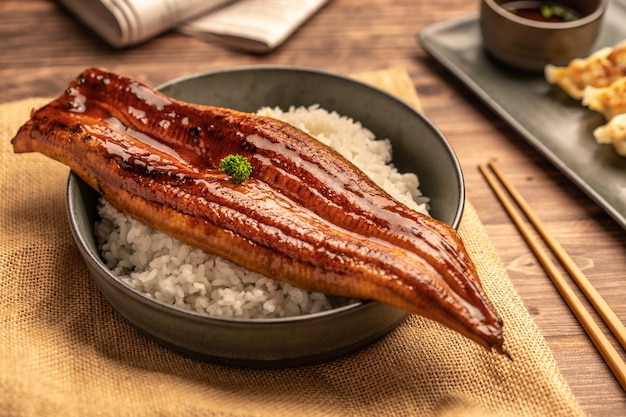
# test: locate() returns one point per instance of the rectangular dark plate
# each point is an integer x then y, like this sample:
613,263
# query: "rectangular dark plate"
557,126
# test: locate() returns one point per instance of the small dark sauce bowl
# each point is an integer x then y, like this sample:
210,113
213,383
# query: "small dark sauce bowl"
529,44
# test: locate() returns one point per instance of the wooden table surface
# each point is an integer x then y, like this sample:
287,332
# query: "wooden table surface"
43,47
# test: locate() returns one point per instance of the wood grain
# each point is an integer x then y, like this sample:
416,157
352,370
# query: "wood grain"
43,46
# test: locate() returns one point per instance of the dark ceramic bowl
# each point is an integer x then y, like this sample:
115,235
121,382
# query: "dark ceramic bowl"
531,44
418,147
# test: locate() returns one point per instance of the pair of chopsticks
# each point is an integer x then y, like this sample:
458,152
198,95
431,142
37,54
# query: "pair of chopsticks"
599,339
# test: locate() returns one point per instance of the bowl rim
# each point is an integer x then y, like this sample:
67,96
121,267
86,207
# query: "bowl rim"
94,258
583,21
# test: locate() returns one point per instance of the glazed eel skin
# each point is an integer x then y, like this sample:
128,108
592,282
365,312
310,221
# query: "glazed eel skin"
306,215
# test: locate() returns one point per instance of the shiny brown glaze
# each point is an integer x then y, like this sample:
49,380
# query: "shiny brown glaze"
312,174
306,216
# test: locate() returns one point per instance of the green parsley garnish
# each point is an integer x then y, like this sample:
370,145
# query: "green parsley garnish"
237,167
552,10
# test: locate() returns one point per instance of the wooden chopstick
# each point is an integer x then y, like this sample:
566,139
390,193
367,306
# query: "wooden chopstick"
598,338
608,315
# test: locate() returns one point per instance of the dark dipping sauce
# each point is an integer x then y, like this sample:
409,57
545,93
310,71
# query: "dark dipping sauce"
541,11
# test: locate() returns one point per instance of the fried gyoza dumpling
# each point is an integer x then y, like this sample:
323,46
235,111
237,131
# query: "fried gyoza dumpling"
599,69
613,132
610,101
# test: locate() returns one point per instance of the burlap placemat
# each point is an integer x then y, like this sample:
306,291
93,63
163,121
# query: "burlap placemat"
65,352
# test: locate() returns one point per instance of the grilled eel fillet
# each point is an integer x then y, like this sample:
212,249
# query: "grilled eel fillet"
306,215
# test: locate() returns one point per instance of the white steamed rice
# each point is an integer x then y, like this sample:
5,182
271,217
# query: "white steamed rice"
183,276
